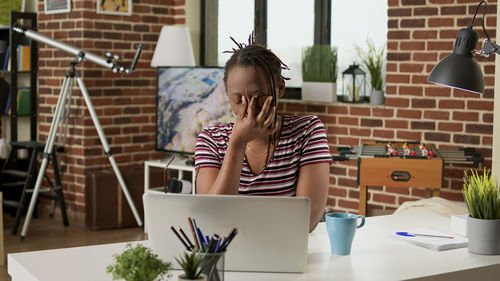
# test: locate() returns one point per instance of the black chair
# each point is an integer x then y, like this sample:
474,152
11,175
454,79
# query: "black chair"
14,177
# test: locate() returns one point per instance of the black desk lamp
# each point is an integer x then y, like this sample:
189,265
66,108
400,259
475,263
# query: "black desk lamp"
460,70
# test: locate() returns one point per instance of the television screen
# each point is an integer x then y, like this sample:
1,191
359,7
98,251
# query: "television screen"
188,100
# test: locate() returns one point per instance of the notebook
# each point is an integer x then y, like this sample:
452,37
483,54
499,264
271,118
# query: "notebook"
272,231
433,243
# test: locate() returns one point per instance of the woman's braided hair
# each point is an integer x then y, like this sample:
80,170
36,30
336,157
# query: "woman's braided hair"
253,54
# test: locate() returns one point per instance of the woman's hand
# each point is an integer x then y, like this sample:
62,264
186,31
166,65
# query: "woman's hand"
251,124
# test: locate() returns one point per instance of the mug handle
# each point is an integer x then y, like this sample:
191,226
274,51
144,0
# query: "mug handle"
362,221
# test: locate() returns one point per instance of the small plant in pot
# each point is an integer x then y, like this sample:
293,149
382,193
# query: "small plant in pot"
191,263
483,223
138,264
319,73
372,60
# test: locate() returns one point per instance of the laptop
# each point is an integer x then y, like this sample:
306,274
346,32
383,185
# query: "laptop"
272,231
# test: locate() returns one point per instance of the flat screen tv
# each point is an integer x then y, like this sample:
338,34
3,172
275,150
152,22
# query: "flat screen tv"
188,100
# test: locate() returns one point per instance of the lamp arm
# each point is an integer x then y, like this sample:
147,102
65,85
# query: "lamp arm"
489,47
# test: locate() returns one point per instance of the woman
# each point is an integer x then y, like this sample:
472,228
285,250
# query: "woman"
263,153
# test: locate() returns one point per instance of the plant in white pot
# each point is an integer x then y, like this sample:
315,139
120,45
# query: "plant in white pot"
319,73
372,60
483,223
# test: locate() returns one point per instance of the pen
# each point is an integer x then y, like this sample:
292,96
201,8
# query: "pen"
229,239
190,222
218,245
202,240
191,246
411,234
180,238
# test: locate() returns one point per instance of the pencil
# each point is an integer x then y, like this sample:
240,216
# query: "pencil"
180,238
194,233
187,238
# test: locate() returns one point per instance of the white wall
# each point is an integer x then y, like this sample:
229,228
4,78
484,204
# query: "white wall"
193,22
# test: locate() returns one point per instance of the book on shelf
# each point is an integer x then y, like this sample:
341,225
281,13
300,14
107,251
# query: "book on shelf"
23,58
5,62
23,101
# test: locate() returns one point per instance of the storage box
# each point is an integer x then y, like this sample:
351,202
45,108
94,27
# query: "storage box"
106,205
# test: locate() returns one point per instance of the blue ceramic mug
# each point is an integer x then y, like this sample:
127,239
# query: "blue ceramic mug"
341,228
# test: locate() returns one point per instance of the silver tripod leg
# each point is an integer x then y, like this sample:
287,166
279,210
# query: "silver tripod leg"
47,151
107,151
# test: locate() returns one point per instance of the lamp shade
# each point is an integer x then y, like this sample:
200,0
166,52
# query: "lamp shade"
173,48
460,70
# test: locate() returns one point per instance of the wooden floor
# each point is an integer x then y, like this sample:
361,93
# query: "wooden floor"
49,233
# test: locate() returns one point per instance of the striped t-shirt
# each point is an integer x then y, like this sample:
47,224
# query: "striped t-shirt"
302,142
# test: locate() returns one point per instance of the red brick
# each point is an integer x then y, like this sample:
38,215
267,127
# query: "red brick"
425,34
397,78
453,10
400,12
480,105
385,134
384,198
423,125
397,102
439,22
398,34
338,192
410,90
466,139
479,129
409,113
396,124
348,120
413,67
488,117
450,127
419,79
382,112
440,115
425,11
392,56
454,104
347,182
337,130
440,45
348,204
337,109
409,135
437,91
359,132
371,122
423,103
361,111
465,116
412,23
399,190
348,141
442,137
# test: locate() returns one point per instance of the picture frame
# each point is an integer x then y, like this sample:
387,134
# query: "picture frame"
57,6
114,7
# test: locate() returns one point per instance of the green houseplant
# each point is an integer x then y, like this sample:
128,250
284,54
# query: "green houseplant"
138,264
191,263
372,61
483,202
319,73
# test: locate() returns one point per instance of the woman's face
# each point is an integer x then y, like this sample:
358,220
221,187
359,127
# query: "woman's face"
242,82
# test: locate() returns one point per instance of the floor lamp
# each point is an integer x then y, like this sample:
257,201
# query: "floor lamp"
64,95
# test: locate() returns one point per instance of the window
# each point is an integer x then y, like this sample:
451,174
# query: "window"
236,19
349,28
288,40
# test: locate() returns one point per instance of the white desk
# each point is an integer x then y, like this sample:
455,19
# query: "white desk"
177,164
374,256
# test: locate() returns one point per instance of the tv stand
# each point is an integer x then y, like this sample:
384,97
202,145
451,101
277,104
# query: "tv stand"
178,164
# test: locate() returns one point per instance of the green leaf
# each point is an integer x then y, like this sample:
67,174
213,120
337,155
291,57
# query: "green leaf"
319,64
481,195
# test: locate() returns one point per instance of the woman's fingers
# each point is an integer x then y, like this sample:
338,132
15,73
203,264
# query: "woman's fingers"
243,108
269,124
251,107
264,112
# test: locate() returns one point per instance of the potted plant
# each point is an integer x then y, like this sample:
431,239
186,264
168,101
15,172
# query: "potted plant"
191,263
372,61
483,223
138,264
319,73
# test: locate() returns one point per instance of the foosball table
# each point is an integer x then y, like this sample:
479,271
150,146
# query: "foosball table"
403,164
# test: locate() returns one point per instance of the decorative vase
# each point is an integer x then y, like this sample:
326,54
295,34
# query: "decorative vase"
319,91
183,277
377,97
484,236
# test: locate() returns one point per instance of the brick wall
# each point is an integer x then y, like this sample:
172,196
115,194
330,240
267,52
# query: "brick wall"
420,33
125,105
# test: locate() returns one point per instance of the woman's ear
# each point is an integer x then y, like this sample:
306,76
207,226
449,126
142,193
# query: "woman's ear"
281,87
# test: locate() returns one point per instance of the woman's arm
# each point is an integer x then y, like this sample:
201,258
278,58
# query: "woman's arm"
313,183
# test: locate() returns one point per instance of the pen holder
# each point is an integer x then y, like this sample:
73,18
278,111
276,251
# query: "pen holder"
213,265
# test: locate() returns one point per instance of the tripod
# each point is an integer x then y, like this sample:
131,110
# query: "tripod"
64,101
